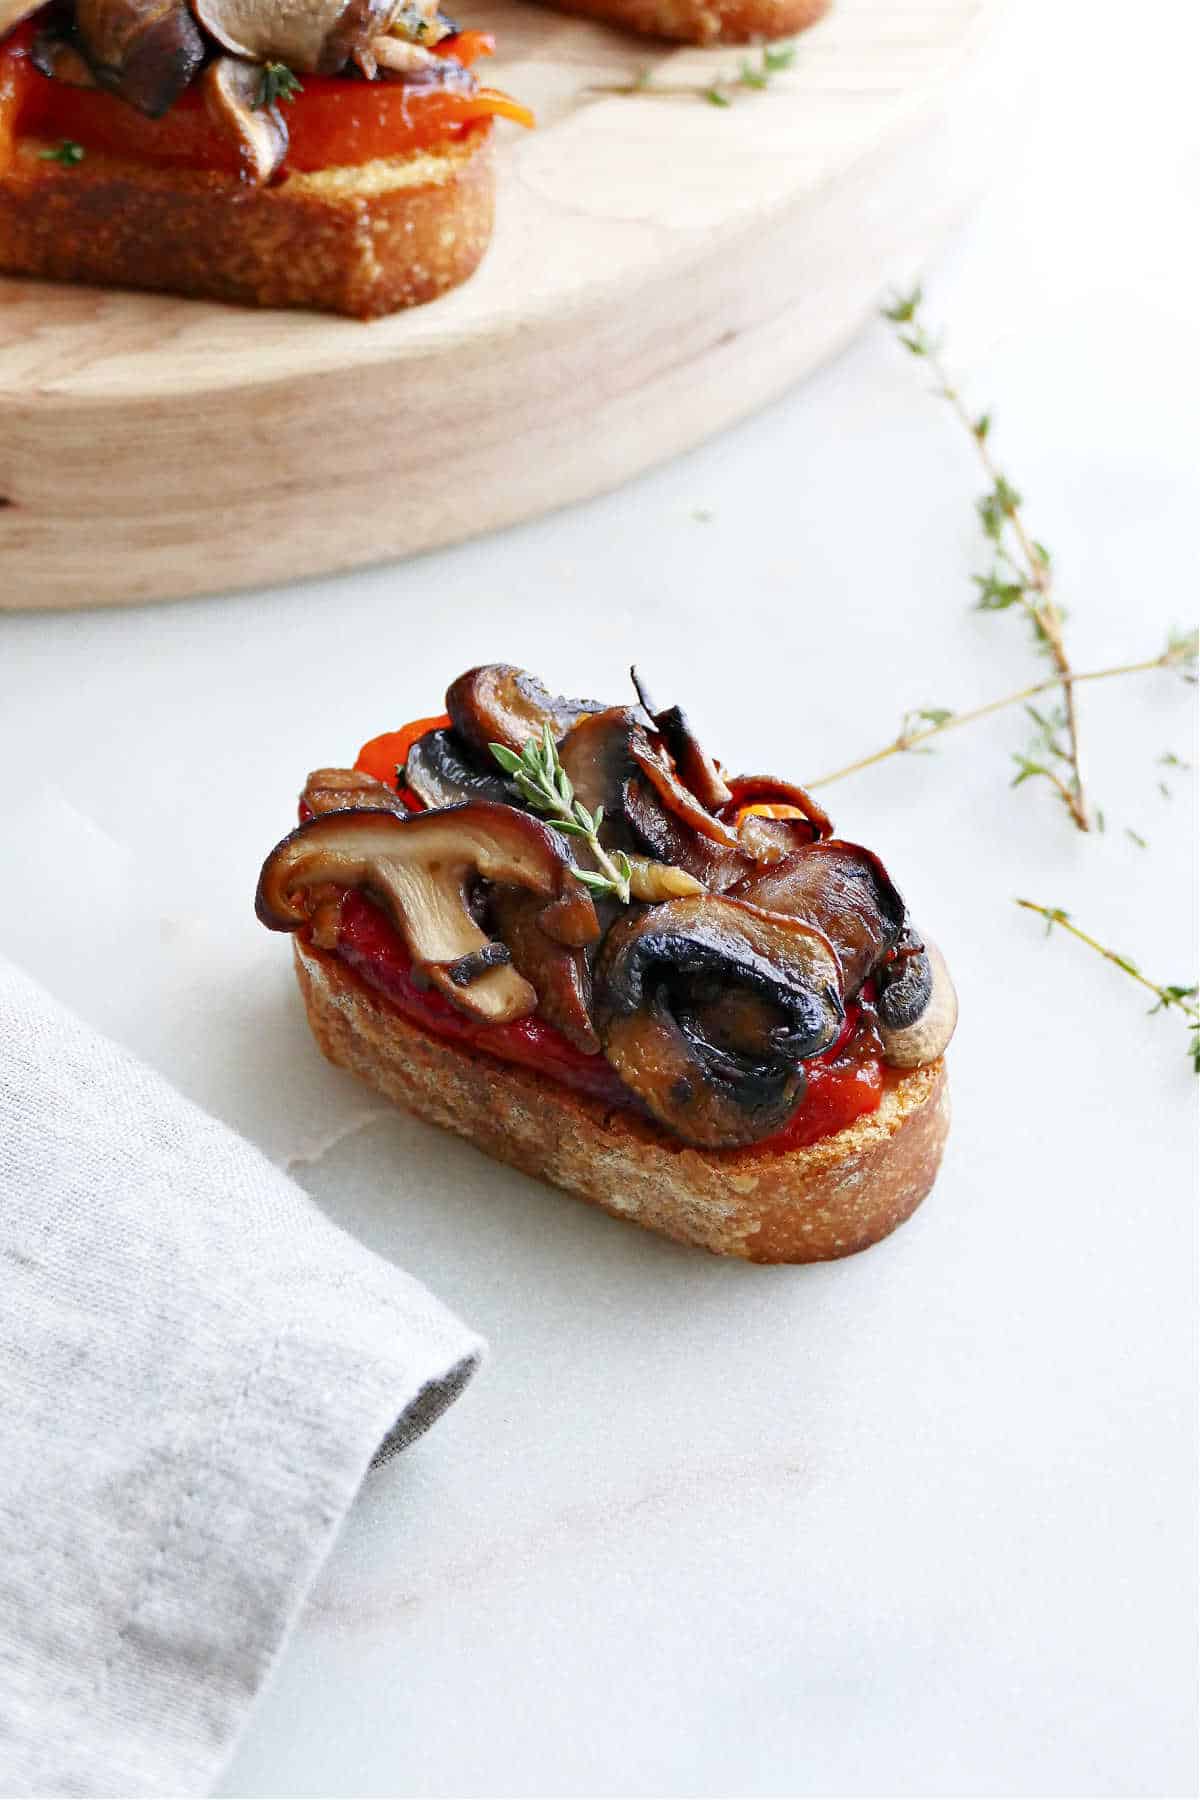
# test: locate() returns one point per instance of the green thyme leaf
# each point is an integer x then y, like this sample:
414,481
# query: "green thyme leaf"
68,153
277,83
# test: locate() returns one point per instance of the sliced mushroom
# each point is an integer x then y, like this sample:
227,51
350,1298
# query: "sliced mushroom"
147,51
231,94
766,790
697,770
614,763
349,790
313,37
60,60
498,704
440,772
707,1010
716,866
656,764
596,756
421,869
560,976
917,1006
842,890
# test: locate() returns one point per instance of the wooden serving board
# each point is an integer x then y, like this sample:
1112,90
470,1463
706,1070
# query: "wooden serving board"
660,268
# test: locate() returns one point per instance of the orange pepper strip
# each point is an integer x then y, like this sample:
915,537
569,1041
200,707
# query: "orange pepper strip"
382,756
763,809
334,122
467,46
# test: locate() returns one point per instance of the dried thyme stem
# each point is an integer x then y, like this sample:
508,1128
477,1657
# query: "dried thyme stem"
1002,507
1172,997
909,740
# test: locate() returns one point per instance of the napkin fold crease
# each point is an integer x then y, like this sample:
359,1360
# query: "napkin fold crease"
197,1369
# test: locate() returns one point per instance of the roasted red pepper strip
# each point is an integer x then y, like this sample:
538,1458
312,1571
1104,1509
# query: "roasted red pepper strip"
333,122
841,1085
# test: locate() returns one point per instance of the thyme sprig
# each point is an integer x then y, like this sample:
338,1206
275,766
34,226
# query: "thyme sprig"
277,83
753,76
68,153
923,723
544,784
1020,574
1171,997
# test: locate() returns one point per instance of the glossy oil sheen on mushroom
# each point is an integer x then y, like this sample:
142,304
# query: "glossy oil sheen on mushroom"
748,947
709,1009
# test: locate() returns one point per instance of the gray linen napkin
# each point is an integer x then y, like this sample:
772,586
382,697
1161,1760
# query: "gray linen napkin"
196,1370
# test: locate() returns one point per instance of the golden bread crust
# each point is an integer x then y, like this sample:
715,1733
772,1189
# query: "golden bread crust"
704,21
363,241
810,1205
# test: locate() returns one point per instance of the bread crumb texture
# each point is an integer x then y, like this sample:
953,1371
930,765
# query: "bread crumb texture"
809,1205
364,241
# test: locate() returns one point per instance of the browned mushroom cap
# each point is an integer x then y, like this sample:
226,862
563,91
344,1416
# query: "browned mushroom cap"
147,51
917,1005
441,772
559,976
421,869
498,704
349,790
310,36
845,892
707,1010
231,94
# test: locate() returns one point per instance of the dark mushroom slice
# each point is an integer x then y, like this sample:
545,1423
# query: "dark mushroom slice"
596,754
349,790
916,1004
559,975
57,57
766,790
499,704
652,758
231,88
697,770
606,756
147,51
708,1008
422,869
716,866
313,37
842,890
441,772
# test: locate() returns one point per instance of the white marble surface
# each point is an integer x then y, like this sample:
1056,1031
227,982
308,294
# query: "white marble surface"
918,1523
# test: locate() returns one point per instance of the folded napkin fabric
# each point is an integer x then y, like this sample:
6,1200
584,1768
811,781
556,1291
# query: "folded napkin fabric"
196,1371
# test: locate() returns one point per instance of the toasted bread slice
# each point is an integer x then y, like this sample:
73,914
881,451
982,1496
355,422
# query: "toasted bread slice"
828,1200
704,21
363,241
